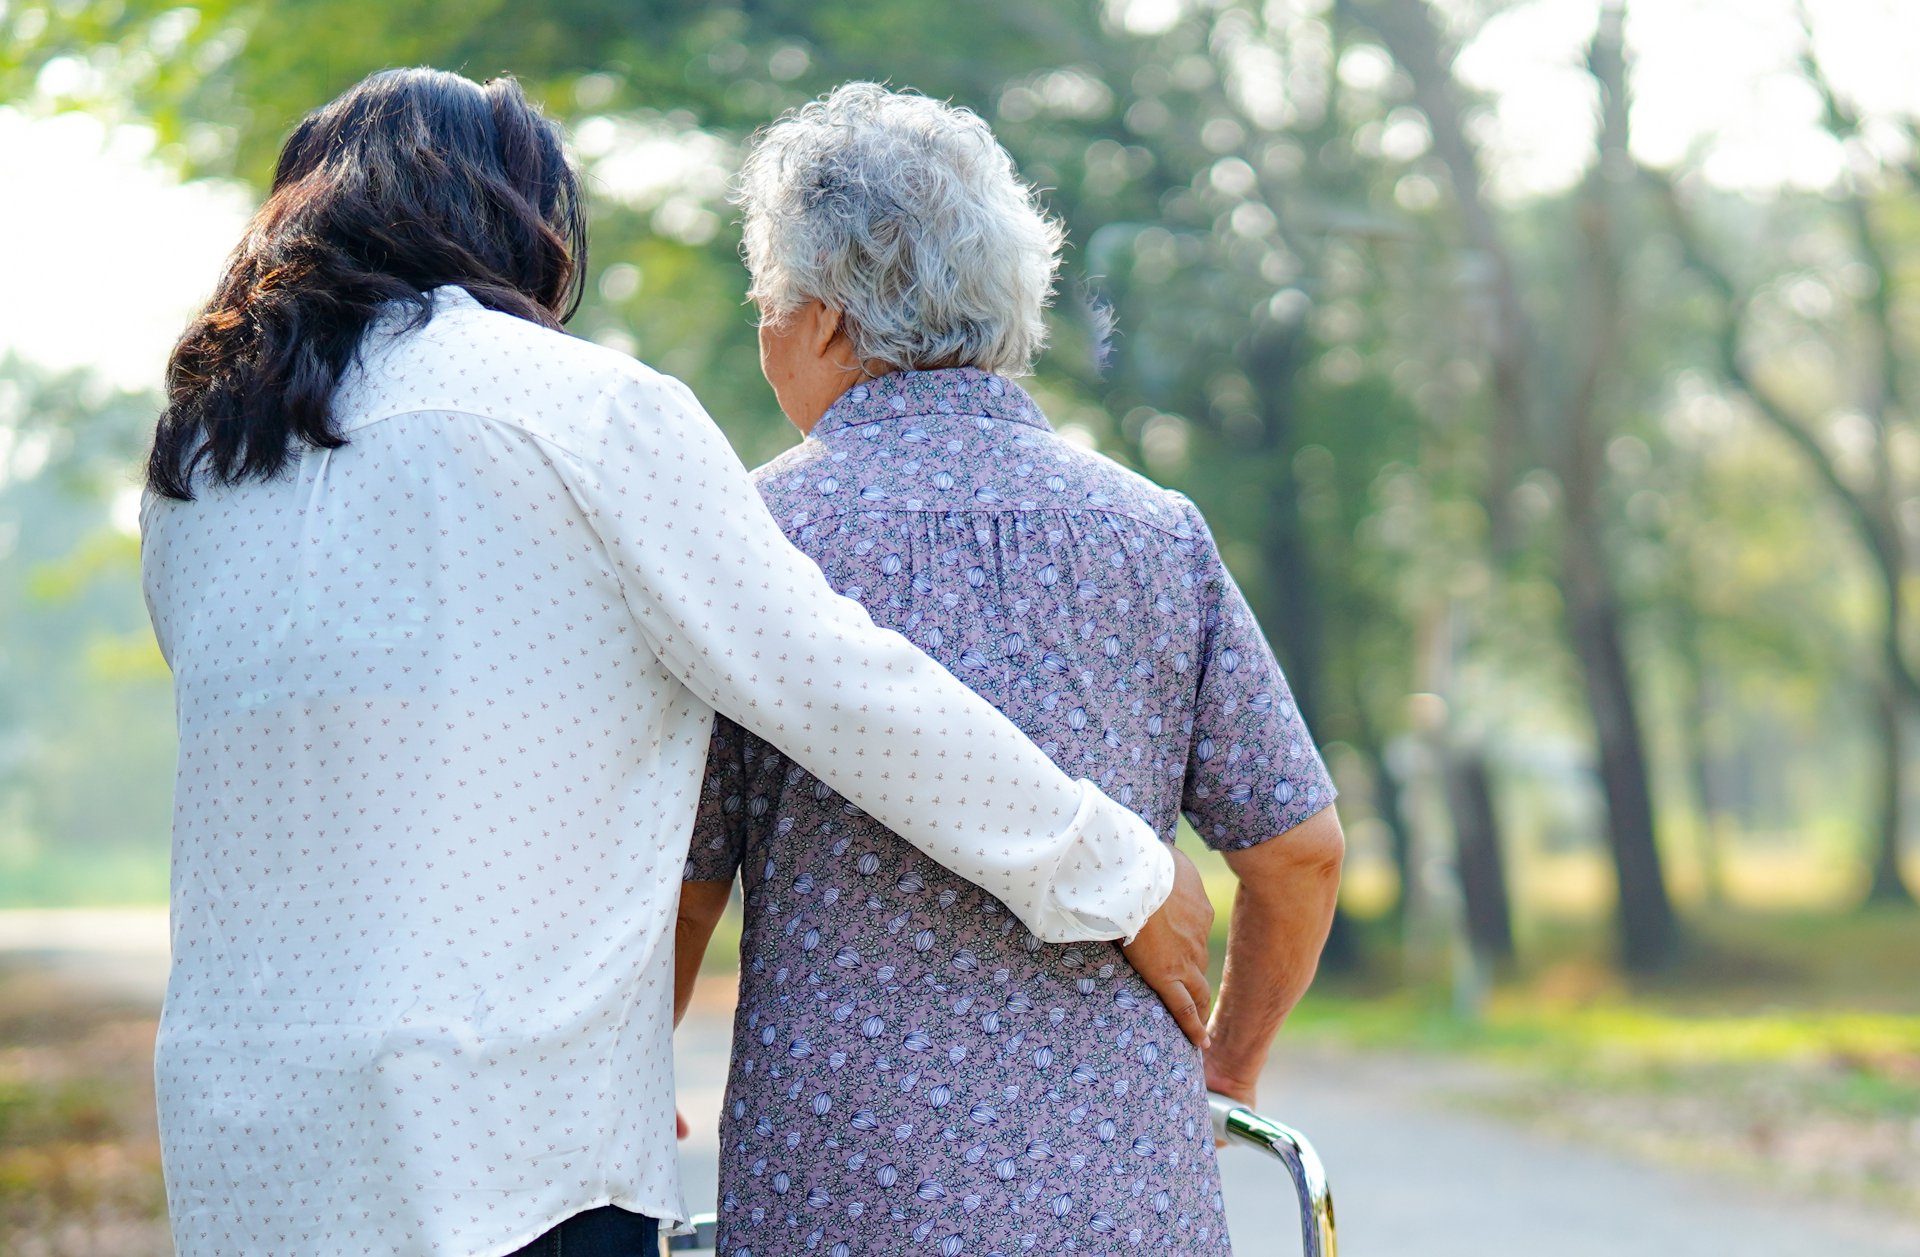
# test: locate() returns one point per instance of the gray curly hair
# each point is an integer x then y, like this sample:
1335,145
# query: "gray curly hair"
906,215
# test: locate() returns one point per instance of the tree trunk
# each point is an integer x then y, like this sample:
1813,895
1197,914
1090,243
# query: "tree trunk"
1478,854
1649,932
1273,358
1343,952
1413,35
1570,426
1709,797
1888,886
1388,806
1708,787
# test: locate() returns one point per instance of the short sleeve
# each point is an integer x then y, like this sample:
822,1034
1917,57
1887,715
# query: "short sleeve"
719,841
1252,769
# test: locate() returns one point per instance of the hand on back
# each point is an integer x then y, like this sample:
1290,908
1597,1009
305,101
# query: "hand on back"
1170,951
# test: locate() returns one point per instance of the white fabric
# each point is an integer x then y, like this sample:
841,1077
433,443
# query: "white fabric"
444,697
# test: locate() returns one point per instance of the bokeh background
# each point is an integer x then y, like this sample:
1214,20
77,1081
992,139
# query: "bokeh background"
1546,369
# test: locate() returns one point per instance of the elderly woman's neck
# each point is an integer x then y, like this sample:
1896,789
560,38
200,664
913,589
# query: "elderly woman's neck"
809,360
812,415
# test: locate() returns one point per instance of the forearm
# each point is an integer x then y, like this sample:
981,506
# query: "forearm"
1272,954
1282,912
701,904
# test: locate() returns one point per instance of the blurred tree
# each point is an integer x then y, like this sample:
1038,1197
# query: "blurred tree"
85,708
1483,877
1755,335
1549,405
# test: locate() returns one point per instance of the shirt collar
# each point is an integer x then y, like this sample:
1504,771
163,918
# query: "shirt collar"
392,317
452,297
949,391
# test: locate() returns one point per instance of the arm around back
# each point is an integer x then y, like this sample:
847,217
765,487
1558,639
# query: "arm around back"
751,627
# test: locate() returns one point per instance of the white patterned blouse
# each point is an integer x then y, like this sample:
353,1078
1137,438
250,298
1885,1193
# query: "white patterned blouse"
444,697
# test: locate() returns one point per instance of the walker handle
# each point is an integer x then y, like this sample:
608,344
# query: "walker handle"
1235,1123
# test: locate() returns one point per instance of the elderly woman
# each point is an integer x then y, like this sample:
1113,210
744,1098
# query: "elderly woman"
912,1070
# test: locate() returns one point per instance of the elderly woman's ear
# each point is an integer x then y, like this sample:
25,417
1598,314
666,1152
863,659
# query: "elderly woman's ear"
809,360
823,330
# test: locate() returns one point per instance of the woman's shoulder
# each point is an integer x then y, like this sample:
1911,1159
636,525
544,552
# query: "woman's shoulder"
790,481
1103,484
489,364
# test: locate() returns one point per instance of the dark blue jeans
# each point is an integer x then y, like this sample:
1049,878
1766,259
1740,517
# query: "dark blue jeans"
602,1232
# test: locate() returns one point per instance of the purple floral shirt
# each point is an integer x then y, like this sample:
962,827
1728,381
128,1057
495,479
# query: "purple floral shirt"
912,1070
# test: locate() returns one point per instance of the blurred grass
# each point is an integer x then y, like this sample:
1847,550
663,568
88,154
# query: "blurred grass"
1820,1102
79,1152
84,876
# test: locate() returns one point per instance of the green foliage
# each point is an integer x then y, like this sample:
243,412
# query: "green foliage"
86,741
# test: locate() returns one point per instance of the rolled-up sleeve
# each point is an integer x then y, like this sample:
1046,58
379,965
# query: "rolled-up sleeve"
751,627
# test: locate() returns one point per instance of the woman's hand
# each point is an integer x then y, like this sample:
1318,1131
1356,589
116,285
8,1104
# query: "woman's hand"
1170,951
1221,1083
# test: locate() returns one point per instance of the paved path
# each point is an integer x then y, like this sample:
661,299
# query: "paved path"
116,952
1413,1177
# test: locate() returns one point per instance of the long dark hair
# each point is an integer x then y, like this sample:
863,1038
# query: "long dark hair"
410,180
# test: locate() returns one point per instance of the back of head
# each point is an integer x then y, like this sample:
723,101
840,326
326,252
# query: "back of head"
906,216
411,180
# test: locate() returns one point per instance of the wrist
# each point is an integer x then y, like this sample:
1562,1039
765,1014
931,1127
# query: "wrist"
1236,1067
1245,1090
1239,1074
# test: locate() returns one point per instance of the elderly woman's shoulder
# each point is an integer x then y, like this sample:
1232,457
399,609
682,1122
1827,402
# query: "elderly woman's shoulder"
1107,485
782,469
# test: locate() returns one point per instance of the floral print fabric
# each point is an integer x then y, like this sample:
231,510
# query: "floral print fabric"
913,1071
